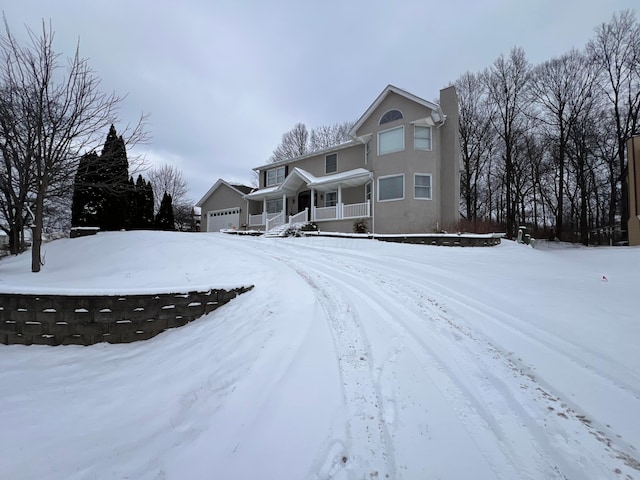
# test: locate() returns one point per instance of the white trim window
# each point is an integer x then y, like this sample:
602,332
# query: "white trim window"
391,188
367,152
275,176
331,199
391,140
391,116
274,205
421,137
422,186
331,163
367,191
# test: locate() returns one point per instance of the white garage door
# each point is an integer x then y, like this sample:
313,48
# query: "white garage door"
219,219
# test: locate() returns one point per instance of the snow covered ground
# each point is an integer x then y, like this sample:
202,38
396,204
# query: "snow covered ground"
350,359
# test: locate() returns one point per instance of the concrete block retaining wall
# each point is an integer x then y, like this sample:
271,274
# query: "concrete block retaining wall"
449,240
28,319
445,240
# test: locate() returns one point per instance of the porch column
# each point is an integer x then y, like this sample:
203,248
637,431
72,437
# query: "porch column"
284,207
264,211
372,207
340,200
312,216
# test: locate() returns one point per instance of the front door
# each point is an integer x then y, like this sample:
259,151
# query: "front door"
304,200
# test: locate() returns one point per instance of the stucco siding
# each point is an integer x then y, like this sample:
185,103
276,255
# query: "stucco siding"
441,162
349,158
408,215
222,198
450,158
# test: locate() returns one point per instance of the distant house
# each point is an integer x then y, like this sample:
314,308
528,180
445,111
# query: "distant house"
223,207
400,173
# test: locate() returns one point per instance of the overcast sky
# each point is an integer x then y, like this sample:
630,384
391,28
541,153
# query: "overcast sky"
222,80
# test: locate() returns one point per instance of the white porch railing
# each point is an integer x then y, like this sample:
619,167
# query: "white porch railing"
255,220
342,211
325,213
356,210
299,217
261,218
274,221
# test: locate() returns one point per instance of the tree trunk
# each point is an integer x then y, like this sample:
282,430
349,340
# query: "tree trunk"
582,183
15,244
36,240
624,201
561,155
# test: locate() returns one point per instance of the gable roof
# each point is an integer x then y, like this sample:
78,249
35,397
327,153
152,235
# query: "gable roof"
376,103
335,148
239,188
298,177
242,188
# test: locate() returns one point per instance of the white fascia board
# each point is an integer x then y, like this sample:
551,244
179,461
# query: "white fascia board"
376,103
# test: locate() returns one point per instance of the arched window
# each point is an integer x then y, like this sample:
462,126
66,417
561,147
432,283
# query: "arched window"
390,116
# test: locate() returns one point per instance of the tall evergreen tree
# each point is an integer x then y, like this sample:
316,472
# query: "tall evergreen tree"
101,188
88,196
147,205
116,171
133,206
140,204
164,218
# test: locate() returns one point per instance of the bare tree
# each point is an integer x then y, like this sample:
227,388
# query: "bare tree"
507,81
562,88
554,154
59,113
298,141
475,139
616,48
294,143
168,179
17,180
328,136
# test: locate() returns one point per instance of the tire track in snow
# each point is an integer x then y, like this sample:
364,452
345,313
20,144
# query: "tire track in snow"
499,395
616,374
412,293
521,448
369,451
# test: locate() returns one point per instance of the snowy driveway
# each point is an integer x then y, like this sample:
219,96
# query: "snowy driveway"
350,359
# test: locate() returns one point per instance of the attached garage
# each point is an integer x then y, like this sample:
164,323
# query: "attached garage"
223,206
219,219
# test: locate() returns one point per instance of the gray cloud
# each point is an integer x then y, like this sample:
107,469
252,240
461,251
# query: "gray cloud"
223,80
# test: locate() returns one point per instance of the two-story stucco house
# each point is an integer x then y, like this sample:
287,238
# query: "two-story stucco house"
400,173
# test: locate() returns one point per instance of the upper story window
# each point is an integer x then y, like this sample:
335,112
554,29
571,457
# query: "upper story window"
331,163
275,176
367,152
422,138
390,116
391,140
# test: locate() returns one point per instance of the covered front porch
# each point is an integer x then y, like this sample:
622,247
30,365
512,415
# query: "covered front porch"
303,198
